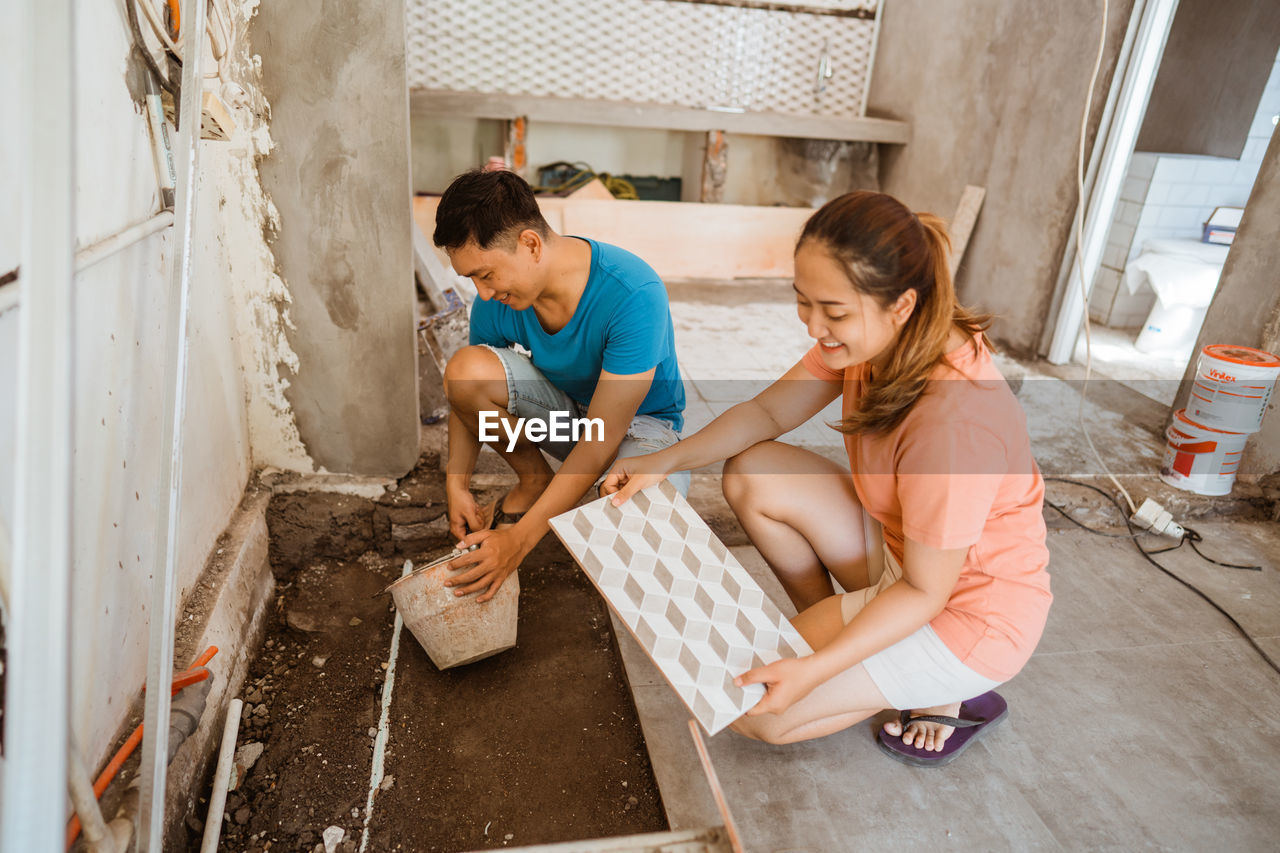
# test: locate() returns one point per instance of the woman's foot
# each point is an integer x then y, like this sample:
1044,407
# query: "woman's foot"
928,736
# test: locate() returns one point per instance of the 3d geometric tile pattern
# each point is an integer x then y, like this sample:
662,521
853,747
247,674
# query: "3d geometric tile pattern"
688,601
646,51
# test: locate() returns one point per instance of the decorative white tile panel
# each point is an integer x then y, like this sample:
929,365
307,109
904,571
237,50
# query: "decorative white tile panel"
645,51
688,601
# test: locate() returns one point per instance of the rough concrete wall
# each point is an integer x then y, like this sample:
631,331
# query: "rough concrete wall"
334,75
1246,307
994,90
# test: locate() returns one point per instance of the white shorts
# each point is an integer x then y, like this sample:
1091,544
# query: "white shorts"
918,671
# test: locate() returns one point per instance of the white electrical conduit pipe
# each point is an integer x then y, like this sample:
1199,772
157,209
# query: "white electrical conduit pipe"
103,249
154,768
99,251
221,776
96,835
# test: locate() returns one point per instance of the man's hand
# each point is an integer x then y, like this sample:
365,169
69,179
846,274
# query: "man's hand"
630,475
464,513
488,566
786,682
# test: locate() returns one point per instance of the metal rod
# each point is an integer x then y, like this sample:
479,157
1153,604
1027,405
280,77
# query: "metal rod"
34,784
154,769
105,248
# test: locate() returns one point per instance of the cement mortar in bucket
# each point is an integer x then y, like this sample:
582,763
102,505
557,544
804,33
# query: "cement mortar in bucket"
456,630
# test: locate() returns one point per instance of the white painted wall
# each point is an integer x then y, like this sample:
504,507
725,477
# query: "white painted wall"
237,315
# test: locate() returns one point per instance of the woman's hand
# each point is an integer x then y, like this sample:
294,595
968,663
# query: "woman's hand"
785,681
630,475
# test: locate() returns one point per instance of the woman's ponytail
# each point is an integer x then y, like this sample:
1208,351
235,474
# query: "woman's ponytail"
887,250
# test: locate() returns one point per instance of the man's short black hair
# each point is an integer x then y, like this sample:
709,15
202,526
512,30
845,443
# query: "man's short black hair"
486,207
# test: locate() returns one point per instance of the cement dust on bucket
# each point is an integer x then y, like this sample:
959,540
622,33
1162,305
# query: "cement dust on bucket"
454,629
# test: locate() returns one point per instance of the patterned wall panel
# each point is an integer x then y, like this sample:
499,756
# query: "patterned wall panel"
673,52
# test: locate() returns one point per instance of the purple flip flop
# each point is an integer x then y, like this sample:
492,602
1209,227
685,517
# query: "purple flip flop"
976,717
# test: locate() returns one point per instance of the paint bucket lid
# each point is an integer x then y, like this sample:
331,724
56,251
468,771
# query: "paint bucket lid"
1184,424
1247,356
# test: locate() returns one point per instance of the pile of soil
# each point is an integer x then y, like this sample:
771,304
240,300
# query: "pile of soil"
538,744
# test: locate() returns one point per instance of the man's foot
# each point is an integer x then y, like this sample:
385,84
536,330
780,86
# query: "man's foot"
928,736
517,502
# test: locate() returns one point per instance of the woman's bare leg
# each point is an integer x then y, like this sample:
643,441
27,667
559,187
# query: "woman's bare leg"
836,704
802,514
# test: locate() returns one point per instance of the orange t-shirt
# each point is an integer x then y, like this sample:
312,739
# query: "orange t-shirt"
958,473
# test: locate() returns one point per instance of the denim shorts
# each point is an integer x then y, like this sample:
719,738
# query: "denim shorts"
530,394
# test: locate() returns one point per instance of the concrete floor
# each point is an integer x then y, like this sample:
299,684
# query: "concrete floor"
1156,375
1142,721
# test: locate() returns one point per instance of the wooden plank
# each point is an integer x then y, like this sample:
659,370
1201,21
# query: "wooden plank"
715,167
620,114
678,239
962,223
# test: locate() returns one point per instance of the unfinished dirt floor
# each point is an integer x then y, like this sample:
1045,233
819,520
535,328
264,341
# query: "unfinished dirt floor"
538,744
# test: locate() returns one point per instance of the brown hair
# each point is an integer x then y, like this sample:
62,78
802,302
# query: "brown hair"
887,250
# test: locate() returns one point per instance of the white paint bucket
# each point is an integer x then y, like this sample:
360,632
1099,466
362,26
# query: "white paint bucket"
1200,459
1232,387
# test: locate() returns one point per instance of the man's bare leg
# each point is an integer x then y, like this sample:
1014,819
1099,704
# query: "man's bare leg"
475,381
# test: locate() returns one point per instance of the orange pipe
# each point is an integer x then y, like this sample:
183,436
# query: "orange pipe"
175,18
186,678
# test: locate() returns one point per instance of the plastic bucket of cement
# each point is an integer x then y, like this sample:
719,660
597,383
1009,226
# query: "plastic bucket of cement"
1200,459
1232,387
456,629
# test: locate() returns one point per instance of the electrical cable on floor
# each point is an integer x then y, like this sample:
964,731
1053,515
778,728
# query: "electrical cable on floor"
1191,537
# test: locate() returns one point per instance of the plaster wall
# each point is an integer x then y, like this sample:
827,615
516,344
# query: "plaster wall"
1246,307
121,307
334,75
994,90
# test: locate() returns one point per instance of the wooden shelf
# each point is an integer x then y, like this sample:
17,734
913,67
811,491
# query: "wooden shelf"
621,114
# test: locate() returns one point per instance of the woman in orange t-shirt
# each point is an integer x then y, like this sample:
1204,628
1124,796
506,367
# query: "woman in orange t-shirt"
937,537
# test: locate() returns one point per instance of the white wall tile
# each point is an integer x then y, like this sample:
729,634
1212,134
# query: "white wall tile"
1215,171
1115,256
1142,165
1158,194
1176,169
1188,194
1134,190
1122,233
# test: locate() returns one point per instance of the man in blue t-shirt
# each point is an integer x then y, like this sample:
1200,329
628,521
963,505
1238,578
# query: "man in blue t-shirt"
599,381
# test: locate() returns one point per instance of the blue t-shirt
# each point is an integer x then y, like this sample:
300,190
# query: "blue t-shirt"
622,324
